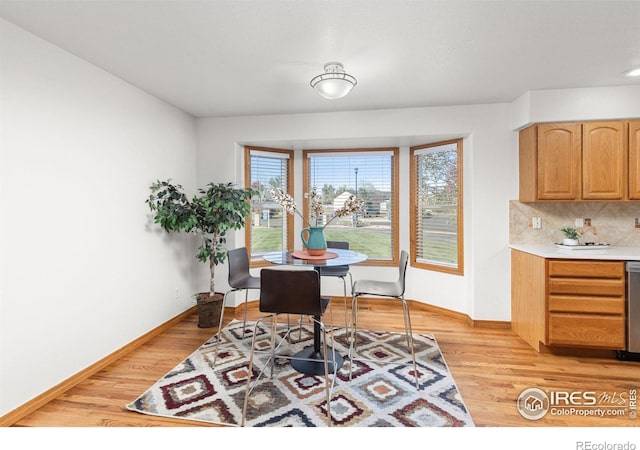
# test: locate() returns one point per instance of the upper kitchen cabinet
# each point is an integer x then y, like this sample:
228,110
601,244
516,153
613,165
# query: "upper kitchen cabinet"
590,161
634,160
550,162
604,160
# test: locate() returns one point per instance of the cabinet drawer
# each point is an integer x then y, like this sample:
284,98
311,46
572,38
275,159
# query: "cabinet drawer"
587,330
586,304
587,286
587,269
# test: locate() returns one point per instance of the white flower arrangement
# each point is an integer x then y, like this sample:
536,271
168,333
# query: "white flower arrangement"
352,205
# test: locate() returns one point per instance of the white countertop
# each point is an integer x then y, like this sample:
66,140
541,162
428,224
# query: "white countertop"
607,253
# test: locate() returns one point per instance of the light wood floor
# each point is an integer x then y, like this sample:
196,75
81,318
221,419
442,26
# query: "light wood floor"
491,368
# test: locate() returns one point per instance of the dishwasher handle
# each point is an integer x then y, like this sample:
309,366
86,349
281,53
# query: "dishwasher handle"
633,266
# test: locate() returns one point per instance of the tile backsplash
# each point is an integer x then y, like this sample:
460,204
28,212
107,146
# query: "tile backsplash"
611,223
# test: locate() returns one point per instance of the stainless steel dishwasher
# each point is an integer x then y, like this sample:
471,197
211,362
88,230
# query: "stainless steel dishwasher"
633,313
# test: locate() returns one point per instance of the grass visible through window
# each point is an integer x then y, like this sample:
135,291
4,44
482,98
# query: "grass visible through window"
372,243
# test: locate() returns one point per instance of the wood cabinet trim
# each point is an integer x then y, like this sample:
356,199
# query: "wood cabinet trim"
528,164
528,297
634,160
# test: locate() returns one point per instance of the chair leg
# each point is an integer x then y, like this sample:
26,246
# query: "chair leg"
326,371
244,319
288,328
270,361
219,334
409,334
354,318
350,284
346,321
300,328
300,320
354,331
274,330
328,385
333,357
249,376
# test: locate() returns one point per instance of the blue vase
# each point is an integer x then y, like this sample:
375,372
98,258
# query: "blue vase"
315,243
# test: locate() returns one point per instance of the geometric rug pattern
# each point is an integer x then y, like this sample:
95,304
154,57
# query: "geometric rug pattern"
380,393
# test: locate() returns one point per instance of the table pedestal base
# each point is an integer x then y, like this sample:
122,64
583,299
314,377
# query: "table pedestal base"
316,366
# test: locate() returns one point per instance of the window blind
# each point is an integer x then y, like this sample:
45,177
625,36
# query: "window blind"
268,170
367,174
437,204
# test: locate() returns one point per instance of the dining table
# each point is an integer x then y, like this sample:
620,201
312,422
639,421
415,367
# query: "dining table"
310,360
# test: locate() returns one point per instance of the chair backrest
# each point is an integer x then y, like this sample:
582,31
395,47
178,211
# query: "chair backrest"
290,291
402,268
238,266
342,245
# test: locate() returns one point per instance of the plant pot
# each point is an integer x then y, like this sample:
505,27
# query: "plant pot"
567,241
209,309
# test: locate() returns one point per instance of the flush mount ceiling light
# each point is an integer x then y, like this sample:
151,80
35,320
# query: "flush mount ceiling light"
334,82
633,72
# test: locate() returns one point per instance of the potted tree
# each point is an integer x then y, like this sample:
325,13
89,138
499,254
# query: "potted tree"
209,214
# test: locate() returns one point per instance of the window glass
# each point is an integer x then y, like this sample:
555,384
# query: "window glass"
436,198
269,229
370,175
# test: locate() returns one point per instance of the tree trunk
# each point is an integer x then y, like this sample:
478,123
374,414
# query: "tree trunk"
210,304
212,268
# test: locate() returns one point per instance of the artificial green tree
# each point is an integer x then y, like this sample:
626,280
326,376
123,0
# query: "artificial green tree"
210,214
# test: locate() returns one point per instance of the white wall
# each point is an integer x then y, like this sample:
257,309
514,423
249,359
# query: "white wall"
82,272
490,181
610,102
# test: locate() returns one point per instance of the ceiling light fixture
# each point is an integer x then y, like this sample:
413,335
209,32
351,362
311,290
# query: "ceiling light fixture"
334,82
633,72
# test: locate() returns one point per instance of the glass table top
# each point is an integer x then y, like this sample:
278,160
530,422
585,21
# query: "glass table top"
344,258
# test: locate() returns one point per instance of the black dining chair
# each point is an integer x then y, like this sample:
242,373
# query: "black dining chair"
240,279
392,290
339,272
294,292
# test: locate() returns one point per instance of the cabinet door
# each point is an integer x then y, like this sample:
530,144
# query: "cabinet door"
559,162
604,162
634,160
587,330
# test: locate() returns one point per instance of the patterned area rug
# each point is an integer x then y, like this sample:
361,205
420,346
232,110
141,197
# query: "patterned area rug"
381,393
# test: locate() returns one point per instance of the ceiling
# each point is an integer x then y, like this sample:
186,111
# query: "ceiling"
245,57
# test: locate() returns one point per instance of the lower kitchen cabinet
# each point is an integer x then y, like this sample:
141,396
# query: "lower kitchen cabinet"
568,303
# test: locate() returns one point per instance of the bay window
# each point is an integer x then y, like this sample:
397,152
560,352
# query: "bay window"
370,175
436,207
268,228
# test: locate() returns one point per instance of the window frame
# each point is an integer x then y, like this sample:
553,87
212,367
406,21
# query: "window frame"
260,262
413,198
395,171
